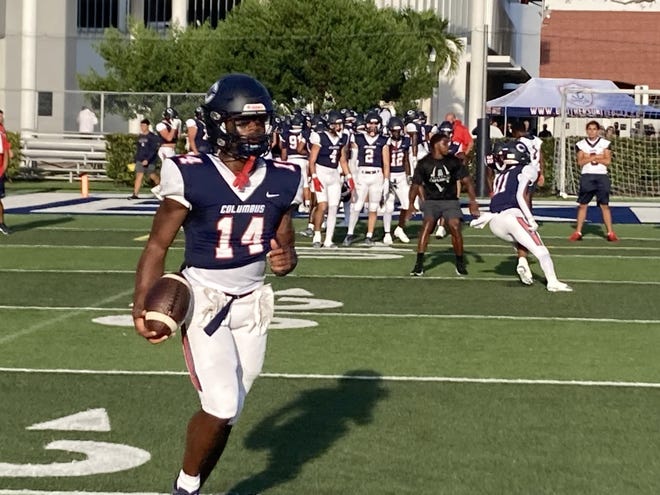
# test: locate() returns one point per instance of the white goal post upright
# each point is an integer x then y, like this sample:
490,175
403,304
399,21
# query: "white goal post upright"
631,122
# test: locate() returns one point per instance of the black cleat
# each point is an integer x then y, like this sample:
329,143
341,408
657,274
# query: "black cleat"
418,271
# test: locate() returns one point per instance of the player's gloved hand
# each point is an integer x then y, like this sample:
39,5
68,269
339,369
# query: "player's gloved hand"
350,182
386,188
533,226
318,187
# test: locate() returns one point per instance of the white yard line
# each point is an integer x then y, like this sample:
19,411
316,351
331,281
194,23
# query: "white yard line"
72,312
387,378
75,310
346,276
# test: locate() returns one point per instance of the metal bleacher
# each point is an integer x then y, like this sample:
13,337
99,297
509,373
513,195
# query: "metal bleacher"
64,155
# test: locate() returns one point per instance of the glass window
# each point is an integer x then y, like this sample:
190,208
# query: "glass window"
97,14
200,11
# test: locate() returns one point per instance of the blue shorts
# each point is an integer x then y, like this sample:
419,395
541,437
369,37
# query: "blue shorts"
594,185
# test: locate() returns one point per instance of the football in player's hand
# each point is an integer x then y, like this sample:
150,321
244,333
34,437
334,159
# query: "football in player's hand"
167,304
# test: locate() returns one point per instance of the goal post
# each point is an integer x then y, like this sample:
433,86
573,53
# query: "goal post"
630,119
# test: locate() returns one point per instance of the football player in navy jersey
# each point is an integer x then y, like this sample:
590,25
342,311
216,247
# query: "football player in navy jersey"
293,149
373,177
399,147
327,157
235,207
510,218
198,139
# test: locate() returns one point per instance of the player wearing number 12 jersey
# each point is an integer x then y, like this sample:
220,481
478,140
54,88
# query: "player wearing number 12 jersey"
235,207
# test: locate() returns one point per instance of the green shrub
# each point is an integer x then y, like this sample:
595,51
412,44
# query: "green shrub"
15,161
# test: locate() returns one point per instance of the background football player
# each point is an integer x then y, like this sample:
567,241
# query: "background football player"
326,160
398,146
373,177
511,219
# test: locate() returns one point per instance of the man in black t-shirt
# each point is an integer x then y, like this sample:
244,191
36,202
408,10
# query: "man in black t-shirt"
435,182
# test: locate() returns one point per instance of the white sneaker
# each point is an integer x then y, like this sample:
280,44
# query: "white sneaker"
525,274
441,232
559,287
387,240
401,235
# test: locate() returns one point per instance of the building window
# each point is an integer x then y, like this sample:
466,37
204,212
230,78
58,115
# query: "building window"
200,11
157,13
45,104
97,14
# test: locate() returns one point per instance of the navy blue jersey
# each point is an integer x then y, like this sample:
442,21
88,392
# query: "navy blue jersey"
222,231
330,150
505,187
369,149
290,140
455,148
147,148
398,151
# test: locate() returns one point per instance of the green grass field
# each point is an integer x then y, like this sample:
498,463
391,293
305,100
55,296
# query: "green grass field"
374,382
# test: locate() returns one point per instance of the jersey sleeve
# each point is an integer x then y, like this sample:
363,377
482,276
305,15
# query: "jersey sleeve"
171,183
190,123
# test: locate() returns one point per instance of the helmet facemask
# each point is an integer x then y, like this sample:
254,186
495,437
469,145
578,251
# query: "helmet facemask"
243,135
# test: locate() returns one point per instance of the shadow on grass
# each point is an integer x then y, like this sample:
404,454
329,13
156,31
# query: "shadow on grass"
35,224
308,426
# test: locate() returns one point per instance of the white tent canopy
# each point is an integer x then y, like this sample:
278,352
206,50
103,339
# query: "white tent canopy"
542,97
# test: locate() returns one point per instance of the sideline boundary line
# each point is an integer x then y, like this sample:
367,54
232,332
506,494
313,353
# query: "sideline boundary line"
386,378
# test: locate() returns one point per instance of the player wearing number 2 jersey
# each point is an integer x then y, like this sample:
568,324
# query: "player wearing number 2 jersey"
373,179
235,207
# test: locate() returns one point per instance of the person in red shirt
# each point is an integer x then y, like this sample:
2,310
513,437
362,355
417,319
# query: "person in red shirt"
461,133
5,155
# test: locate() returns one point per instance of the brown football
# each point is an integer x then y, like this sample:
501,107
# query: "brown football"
167,304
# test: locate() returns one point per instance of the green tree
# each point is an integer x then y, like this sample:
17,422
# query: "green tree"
302,50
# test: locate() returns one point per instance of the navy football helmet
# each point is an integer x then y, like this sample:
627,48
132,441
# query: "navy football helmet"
396,127
170,113
199,113
510,154
446,128
359,123
373,123
233,98
334,121
297,124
